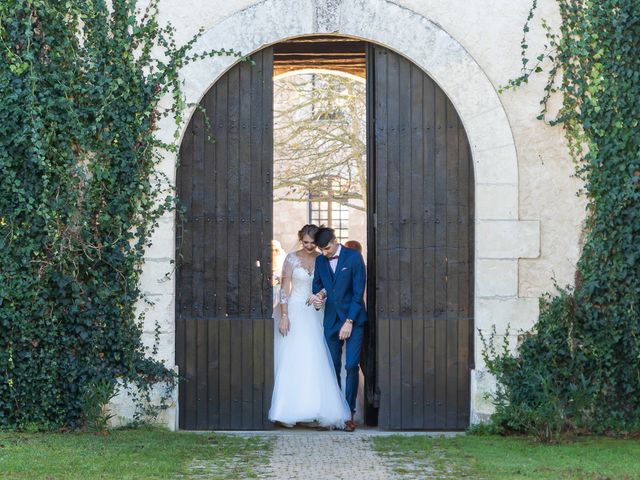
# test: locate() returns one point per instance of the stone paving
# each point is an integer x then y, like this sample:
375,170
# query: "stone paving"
324,455
321,455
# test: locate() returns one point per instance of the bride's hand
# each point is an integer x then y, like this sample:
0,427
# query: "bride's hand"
312,299
284,325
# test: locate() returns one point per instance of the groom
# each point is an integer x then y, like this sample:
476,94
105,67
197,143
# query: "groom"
339,282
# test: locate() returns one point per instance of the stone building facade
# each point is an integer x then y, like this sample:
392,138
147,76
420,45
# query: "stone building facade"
528,218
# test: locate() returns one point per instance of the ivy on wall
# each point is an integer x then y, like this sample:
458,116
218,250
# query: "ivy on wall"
80,83
578,370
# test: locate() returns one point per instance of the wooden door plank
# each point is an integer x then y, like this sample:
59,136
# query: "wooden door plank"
417,166
452,263
213,373
213,365
233,251
440,259
405,241
370,361
382,287
393,237
183,256
429,260
221,267
198,222
255,254
194,215
245,232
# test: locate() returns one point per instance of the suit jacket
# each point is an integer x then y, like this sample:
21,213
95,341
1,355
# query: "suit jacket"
345,288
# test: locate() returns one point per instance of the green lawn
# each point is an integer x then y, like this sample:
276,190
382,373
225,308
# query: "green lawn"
492,457
128,454
160,454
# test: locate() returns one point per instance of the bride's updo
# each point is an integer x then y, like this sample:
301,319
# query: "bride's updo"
308,230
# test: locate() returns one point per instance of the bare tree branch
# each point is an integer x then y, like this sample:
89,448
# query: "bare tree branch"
319,139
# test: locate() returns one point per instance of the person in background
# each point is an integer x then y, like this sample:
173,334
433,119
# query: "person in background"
354,245
277,260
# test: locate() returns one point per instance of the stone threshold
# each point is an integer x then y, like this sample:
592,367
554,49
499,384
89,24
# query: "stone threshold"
361,432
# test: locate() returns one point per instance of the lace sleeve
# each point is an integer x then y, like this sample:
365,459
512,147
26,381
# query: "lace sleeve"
285,278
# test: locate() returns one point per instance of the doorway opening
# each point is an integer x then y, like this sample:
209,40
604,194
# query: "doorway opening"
319,125
320,149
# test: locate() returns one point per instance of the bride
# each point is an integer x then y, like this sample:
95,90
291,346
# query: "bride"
305,387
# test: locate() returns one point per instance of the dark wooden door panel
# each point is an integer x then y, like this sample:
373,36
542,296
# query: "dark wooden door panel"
421,206
224,330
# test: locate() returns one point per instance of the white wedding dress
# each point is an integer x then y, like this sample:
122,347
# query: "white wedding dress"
305,387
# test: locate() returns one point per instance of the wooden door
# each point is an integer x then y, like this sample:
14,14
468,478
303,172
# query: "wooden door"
421,248
224,330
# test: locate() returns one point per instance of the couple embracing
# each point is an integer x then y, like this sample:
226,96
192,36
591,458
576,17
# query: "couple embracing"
321,309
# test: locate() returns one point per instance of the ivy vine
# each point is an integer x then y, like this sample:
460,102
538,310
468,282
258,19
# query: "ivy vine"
578,370
80,195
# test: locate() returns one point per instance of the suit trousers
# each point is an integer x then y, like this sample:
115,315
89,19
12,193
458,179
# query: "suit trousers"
352,360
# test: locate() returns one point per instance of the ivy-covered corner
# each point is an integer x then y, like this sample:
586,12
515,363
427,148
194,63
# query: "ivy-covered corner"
80,195
578,370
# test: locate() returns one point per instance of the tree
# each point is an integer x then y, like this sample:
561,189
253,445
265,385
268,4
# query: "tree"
319,141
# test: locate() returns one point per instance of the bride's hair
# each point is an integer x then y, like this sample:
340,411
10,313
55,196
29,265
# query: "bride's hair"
310,230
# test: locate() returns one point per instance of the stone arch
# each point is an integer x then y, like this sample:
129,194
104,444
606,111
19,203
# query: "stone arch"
501,238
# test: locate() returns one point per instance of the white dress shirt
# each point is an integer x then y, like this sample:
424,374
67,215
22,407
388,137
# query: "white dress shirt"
334,263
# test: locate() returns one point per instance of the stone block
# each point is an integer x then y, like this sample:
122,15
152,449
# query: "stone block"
166,346
496,278
489,129
157,277
160,309
496,202
123,406
520,314
499,341
495,165
162,242
483,386
167,166
507,239
167,129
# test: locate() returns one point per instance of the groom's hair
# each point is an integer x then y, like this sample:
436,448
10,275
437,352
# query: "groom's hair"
323,236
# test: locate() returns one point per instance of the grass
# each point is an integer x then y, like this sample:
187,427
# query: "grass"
129,454
149,453
493,457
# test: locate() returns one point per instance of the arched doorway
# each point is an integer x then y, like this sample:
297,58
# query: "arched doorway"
420,294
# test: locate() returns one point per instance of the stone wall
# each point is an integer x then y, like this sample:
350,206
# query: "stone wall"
528,217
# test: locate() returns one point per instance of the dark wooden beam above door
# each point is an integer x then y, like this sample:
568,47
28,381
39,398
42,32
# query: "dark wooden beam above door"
331,52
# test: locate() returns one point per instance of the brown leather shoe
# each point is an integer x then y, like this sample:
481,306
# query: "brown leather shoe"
349,426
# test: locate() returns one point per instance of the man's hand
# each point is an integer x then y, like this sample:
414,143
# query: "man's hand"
345,331
316,300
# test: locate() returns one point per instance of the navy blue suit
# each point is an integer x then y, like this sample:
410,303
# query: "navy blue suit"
345,299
